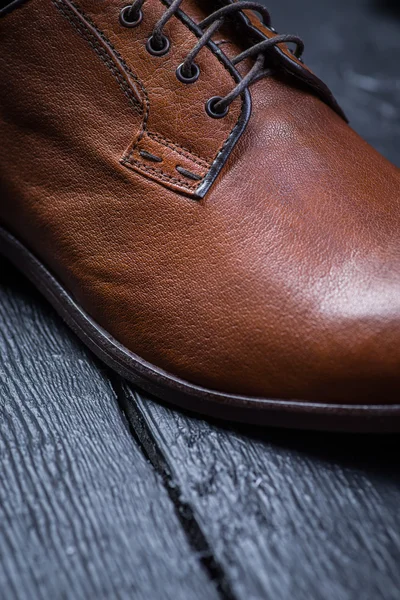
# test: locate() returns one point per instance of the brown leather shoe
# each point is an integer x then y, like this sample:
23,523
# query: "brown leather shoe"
190,198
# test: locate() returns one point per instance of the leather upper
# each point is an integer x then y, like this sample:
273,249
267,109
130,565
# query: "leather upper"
283,281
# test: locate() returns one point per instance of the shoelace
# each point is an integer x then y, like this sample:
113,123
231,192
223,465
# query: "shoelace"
188,72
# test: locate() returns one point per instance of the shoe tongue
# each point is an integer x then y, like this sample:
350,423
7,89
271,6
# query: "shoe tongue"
244,29
230,37
237,33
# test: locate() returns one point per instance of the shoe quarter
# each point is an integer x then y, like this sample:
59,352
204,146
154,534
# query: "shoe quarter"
178,144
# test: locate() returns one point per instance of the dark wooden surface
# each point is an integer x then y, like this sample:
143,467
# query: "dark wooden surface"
288,514
106,493
82,512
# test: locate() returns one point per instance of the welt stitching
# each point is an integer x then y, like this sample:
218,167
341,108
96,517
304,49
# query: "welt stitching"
179,149
161,174
102,54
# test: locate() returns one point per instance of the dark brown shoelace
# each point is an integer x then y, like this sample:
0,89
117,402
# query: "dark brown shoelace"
188,72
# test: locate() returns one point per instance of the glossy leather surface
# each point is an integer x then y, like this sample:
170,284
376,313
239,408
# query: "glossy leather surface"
283,281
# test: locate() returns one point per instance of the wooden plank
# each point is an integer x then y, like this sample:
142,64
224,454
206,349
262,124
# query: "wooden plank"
82,512
287,514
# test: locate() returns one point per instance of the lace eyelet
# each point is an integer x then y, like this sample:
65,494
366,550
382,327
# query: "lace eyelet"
127,19
193,77
152,49
212,112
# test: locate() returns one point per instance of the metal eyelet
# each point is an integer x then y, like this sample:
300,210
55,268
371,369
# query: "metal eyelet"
152,49
127,19
210,108
192,78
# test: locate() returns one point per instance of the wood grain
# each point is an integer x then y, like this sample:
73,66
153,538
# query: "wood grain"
82,513
287,514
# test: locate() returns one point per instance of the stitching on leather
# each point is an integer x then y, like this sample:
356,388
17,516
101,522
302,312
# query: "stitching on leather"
145,111
129,160
209,46
143,130
228,139
135,77
144,125
170,145
161,174
126,67
60,5
179,149
102,54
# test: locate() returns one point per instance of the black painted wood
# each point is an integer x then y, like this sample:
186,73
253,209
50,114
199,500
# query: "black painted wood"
82,513
288,514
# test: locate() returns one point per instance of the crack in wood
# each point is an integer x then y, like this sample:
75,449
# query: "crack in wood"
148,445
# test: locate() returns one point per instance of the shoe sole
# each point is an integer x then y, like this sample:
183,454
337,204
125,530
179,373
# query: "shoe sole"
175,391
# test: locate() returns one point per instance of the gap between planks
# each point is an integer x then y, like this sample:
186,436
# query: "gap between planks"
148,444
